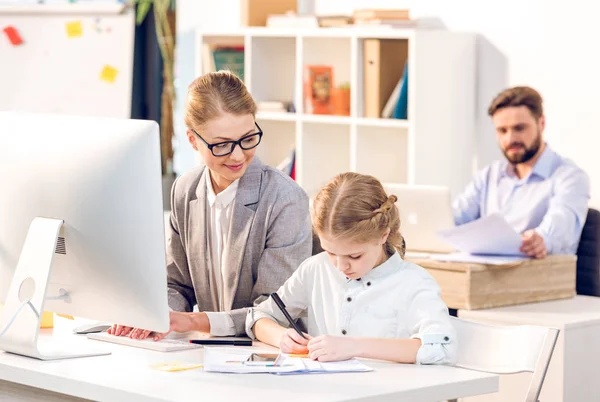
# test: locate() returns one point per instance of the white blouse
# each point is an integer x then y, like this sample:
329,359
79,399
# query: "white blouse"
219,212
397,299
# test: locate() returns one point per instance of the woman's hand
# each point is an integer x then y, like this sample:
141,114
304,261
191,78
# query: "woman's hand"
292,342
328,348
119,330
179,322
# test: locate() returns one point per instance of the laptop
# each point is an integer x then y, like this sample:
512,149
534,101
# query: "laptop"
424,211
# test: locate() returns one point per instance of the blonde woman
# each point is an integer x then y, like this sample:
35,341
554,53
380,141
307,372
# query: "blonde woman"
362,298
238,228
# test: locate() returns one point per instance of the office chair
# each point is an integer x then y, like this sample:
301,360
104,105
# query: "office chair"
506,350
588,256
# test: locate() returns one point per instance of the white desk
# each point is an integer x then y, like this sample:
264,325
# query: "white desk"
573,371
125,376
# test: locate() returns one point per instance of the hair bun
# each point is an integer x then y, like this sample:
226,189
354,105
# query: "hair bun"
387,205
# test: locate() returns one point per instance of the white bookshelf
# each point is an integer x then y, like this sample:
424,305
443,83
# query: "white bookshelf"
434,146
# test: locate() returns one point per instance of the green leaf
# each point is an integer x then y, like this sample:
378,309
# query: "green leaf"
142,10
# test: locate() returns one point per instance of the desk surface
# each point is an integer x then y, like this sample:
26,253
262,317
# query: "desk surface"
125,375
578,311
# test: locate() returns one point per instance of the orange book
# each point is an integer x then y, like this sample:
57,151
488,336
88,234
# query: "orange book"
317,89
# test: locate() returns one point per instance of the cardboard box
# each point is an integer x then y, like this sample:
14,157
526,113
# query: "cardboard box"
477,286
254,13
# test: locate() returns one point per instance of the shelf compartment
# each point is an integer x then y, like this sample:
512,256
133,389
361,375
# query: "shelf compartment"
383,153
326,152
278,141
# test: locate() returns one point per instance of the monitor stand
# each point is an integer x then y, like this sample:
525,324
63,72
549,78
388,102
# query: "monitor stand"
21,315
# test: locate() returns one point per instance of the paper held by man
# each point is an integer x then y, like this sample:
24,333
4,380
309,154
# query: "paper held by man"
488,240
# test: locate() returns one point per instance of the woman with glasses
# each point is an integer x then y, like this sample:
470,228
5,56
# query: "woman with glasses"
238,228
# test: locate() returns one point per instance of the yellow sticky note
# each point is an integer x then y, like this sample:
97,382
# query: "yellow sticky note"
109,74
74,29
175,366
68,317
303,356
47,320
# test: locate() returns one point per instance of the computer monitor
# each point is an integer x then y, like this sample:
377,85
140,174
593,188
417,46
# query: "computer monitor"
424,211
81,226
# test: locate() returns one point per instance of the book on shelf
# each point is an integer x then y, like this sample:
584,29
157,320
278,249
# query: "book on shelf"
381,14
396,106
401,109
330,21
317,89
287,165
291,20
223,57
386,23
384,61
271,107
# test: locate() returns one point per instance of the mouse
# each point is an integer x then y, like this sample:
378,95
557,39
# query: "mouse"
91,328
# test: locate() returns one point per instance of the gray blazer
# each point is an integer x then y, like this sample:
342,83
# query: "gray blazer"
270,236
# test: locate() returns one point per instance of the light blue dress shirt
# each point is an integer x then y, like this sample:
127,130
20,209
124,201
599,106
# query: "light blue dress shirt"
553,200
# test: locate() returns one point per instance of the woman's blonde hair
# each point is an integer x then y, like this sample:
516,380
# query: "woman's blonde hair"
213,94
355,207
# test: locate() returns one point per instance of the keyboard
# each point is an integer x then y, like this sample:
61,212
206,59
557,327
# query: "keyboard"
164,345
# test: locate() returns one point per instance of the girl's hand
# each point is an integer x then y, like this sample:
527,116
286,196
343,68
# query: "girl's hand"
328,348
292,342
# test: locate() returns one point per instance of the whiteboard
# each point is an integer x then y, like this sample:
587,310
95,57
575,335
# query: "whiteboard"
54,73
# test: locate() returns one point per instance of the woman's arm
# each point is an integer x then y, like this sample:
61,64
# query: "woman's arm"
288,244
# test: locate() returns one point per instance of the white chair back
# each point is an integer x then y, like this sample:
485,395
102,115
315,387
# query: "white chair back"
506,349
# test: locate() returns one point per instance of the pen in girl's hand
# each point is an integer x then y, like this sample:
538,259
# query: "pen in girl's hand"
281,306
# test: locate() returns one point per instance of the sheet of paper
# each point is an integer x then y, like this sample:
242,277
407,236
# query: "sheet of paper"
231,360
490,235
479,259
74,29
109,74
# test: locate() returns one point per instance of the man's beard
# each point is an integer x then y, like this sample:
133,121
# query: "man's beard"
527,155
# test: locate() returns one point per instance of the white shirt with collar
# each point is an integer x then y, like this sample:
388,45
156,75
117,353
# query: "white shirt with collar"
397,299
219,212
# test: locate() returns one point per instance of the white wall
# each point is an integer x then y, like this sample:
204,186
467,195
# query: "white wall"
549,45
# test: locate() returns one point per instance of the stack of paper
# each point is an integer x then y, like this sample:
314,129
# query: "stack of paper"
478,259
490,235
229,360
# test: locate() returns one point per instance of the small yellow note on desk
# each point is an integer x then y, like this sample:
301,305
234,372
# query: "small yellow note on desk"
303,356
175,366
74,29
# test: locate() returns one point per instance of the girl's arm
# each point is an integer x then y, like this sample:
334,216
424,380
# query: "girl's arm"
287,339
396,350
334,348
267,323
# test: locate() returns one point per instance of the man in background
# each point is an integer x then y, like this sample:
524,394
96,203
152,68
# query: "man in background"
541,195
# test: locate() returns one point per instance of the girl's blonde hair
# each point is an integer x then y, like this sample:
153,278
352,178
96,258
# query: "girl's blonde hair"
355,207
213,94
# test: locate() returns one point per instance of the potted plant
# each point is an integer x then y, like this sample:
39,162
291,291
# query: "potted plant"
340,99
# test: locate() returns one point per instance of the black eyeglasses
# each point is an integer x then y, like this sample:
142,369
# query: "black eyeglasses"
225,148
